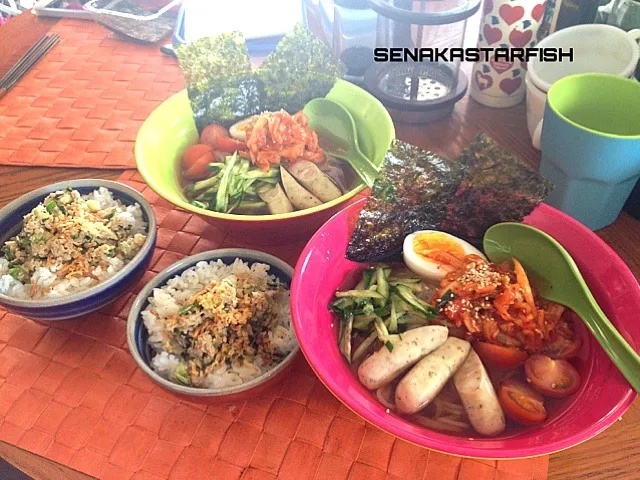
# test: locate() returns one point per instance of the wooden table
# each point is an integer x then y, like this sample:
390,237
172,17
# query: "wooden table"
614,454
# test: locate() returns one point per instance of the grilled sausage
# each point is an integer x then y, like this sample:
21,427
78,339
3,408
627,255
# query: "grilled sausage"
298,195
384,366
314,180
479,397
424,381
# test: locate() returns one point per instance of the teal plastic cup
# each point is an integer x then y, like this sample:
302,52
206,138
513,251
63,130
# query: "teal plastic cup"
590,145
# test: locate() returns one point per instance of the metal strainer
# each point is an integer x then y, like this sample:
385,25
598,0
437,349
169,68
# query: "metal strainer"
419,91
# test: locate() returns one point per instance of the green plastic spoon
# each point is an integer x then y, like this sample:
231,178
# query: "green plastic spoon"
556,277
338,136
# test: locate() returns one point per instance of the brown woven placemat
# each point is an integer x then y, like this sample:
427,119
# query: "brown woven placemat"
69,391
83,103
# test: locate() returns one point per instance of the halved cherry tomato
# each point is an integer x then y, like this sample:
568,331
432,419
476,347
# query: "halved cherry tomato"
228,145
563,349
194,153
199,169
521,403
554,378
499,356
213,132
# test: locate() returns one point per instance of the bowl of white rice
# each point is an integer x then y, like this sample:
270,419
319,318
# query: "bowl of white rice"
73,247
216,324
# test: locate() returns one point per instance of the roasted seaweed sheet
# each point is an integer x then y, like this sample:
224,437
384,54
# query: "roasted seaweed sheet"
417,190
223,88
498,187
301,68
220,82
412,192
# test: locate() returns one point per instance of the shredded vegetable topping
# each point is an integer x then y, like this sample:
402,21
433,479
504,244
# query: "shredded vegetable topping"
496,304
386,301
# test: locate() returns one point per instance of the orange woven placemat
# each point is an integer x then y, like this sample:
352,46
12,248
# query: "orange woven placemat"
70,391
83,103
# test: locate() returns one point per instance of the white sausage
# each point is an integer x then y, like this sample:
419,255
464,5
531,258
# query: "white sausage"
314,180
299,197
384,366
478,397
424,381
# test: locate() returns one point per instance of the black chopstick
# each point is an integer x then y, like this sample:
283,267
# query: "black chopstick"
5,80
30,59
33,56
26,62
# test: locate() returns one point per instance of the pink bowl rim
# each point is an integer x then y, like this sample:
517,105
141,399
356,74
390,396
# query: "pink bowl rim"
314,360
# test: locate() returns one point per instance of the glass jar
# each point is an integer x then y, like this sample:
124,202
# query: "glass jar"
424,89
349,27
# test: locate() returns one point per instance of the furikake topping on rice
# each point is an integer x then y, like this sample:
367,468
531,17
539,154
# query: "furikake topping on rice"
218,325
226,321
69,243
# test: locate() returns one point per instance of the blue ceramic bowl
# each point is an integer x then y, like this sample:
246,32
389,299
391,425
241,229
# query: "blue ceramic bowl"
137,334
94,298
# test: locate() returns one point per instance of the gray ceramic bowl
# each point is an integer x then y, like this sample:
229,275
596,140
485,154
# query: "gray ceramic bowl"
94,298
137,334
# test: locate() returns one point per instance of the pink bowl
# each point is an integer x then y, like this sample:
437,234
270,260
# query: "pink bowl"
603,398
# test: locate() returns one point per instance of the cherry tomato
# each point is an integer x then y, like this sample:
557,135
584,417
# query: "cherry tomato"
554,378
563,349
521,403
199,169
213,132
228,145
194,153
499,356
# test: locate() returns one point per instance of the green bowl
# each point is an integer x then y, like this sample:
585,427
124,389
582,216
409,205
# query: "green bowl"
170,130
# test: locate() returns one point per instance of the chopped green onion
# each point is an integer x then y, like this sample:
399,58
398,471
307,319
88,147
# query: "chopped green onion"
188,309
18,273
51,206
389,345
446,298
181,376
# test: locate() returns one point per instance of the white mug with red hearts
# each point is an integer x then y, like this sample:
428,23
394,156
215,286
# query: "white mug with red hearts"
506,24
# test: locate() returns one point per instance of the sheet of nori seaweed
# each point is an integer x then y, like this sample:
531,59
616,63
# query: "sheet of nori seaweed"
497,187
220,82
301,68
411,193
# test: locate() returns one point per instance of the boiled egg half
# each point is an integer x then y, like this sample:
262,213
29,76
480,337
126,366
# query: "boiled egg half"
421,253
